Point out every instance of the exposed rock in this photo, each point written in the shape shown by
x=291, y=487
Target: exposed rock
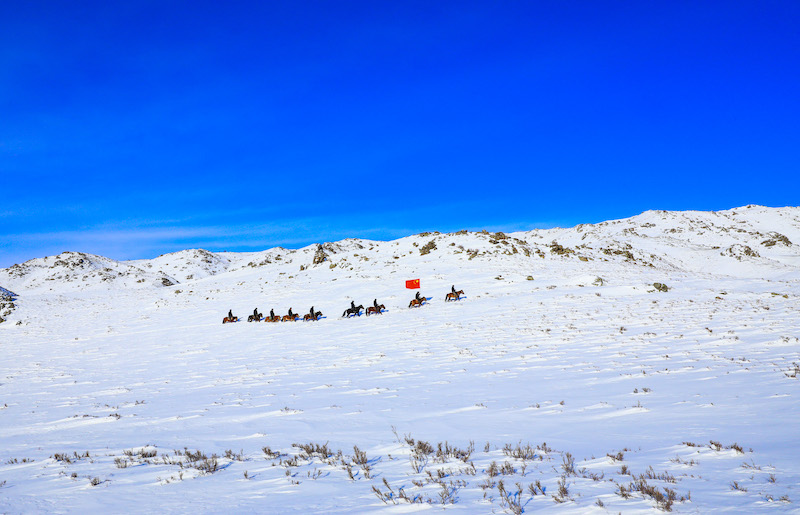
x=776, y=238
x=661, y=287
x=320, y=256
x=555, y=248
x=619, y=252
x=6, y=307
x=427, y=248
x=739, y=251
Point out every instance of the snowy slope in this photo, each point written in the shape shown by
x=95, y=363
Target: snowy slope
x=564, y=381
x=186, y=264
x=79, y=271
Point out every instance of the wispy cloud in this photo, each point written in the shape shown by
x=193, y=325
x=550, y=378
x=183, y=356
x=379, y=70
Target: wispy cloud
x=147, y=242
x=147, y=239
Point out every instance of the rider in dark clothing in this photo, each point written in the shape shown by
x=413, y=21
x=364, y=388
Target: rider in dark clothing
x=230, y=314
x=352, y=305
x=453, y=288
x=272, y=314
x=375, y=304
x=418, y=297
x=255, y=314
x=312, y=312
x=290, y=312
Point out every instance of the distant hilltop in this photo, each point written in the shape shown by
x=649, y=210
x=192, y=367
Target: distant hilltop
x=747, y=241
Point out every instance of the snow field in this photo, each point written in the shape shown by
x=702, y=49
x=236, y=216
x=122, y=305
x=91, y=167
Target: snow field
x=549, y=394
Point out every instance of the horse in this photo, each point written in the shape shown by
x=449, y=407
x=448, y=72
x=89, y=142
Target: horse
x=252, y=318
x=353, y=311
x=416, y=303
x=454, y=296
x=289, y=318
x=373, y=309
x=228, y=320
x=269, y=319
x=316, y=316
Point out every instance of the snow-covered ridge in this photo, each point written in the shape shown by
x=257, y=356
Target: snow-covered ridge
x=78, y=270
x=185, y=265
x=742, y=242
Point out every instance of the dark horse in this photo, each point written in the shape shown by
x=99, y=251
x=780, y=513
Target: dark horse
x=252, y=318
x=353, y=311
x=373, y=309
x=316, y=316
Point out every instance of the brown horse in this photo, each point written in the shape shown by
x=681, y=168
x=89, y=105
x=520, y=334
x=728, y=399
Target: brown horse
x=454, y=296
x=415, y=303
x=289, y=318
x=276, y=319
x=314, y=318
x=228, y=320
x=373, y=309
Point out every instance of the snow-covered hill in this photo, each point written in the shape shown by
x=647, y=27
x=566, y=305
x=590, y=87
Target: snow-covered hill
x=564, y=381
x=80, y=271
x=752, y=241
x=186, y=265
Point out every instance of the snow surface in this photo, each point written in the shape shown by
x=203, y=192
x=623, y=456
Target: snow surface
x=563, y=382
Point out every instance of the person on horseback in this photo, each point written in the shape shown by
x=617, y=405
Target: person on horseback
x=453, y=288
x=230, y=314
x=375, y=304
x=255, y=314
x=272, y=314
x=290, y=313
x=352, y=305
x=312, y=313
x=418, y=297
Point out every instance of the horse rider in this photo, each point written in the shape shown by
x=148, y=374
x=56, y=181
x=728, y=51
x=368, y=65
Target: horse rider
x=255, y=314
x=375, y=304
x=230, y=314
x=418, y=297
x=272, y=314
x=312, y=313
x=352, y=305
x=453, y=288
x=291, y=314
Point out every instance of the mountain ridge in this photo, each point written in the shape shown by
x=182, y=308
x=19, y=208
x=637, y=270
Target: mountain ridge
x=746, y=240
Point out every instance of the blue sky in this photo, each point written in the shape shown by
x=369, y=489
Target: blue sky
x=132, y=129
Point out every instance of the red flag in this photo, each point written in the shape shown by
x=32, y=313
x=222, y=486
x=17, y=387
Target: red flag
x=413, y=284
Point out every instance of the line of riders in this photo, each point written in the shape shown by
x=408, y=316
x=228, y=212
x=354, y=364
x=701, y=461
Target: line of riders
x=352, y=311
